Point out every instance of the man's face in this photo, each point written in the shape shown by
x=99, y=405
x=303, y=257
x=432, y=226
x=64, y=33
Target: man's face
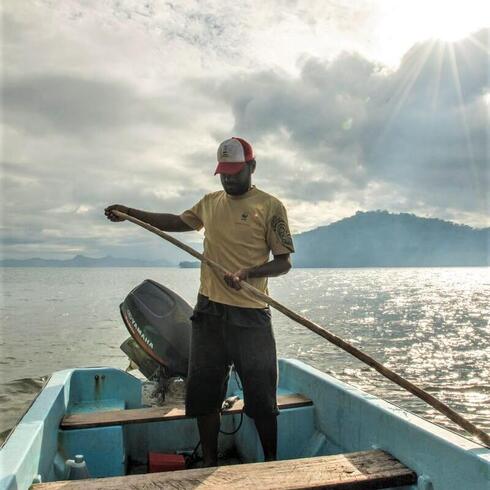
x=239, y=183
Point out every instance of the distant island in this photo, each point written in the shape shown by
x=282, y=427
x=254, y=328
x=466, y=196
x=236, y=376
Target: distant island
x=383, y=239
x=189, y=265
x=367, y=239
x=82, y=261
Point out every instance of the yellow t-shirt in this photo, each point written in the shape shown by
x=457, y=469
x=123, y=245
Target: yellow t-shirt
x=239, y=232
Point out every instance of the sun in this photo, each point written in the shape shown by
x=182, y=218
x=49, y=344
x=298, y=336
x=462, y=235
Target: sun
x=445, y=20
x=401, y=24
x=450, y=23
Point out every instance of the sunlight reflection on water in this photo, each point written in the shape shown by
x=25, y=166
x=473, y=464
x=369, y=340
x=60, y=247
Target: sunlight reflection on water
x=429, y=325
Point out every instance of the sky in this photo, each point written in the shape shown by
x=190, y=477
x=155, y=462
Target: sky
x=350, y=105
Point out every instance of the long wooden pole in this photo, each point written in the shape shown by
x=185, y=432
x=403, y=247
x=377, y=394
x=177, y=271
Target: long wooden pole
x=334, y=339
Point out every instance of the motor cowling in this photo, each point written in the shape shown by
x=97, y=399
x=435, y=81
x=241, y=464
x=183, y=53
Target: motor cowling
x=159, y=322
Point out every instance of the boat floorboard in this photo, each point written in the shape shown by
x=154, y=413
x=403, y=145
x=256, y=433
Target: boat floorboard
x=158, y=414
x=359, y=470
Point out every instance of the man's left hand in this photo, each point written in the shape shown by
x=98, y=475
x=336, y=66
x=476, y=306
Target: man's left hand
x=234, y=280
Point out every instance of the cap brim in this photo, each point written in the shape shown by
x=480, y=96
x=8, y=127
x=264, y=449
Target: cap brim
x=229, y=168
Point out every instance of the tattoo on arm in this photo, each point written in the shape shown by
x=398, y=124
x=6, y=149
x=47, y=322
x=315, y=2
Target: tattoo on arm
x=281, y=230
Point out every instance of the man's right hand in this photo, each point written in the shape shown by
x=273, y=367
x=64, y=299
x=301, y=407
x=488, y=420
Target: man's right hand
x=115, y=207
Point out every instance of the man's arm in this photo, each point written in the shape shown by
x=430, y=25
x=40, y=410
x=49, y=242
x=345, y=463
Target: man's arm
x=281, y=264
x=162, y=221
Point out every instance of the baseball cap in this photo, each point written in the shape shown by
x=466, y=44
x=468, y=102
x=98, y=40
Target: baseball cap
x=233, y=154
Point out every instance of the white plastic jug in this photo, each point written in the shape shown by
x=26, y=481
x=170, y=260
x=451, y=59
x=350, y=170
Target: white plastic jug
x=76, y=469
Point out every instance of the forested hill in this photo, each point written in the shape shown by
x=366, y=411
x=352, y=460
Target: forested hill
x=382, y=239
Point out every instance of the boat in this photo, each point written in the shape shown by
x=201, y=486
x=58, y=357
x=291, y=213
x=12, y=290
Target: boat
x=330, y=434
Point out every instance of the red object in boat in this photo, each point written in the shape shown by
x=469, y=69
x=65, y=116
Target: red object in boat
x=158, y=462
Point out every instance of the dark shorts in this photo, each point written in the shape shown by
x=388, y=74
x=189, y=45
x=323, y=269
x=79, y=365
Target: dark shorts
x=223, y=335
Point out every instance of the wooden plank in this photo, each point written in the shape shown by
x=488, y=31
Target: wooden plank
x=353, y=471
x=158, y=414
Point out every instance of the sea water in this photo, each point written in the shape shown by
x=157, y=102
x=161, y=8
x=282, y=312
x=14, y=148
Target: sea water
x=430, y=325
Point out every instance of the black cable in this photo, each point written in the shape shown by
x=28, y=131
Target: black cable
x=193, y=455
x=236, y=430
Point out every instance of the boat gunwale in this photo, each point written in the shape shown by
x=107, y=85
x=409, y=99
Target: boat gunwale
x=393, y=408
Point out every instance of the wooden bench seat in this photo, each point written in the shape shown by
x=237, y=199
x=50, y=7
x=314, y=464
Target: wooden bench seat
x=360, y=470
x=158, y=414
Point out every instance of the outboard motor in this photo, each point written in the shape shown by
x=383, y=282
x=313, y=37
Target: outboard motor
x=159, y=323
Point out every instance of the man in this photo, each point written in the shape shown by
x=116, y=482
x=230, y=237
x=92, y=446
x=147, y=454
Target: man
x=230, y=325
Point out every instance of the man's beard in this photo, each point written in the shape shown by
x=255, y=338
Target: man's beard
x=237, y=190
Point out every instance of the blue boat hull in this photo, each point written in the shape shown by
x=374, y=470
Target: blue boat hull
x=342, y=419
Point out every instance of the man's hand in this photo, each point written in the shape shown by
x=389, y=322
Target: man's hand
x=281, y=264
x=234, y=280
x=115, y=207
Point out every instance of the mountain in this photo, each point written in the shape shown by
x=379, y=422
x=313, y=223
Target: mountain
x=82, y=261
x=383, y=239
x=189, y=265
x=367, y=239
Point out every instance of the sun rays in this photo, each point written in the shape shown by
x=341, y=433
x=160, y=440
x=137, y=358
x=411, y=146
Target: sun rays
x=435, y=67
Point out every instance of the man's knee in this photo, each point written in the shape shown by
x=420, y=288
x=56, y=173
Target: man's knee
x=205, y=391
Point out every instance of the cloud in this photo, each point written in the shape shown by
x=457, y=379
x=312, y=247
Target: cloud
x=66, y=104
x=126, y=102
x=350, y=122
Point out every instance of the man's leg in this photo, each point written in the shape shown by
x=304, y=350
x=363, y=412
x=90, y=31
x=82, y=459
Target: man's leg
x=208, y=432
x=207, y=381
x=267, y=429
x=254, y=353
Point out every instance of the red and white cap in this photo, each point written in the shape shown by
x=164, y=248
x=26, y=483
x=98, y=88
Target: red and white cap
x=233, y=154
